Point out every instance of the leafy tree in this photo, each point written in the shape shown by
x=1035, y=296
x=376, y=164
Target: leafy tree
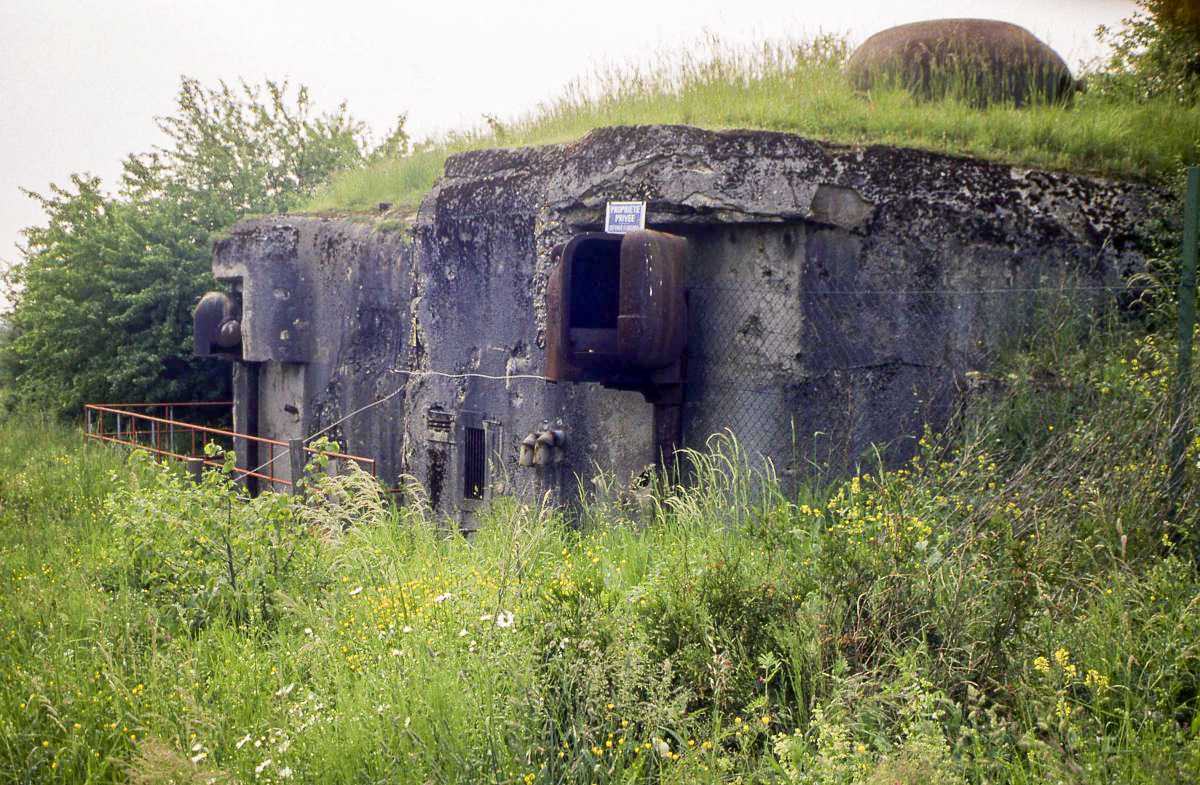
x=1155, y=54
x=104, y=309
x=236, y=151
x=103, y=298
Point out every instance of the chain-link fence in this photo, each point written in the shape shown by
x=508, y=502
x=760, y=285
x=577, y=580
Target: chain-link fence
x=813, y=379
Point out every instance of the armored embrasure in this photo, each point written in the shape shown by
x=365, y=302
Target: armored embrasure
x=216, y=327
x=617, y=309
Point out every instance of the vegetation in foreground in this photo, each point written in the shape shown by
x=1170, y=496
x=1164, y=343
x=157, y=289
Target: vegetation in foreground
x=1018, y=604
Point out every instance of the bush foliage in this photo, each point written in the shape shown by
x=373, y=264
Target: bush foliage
x=1154, y=54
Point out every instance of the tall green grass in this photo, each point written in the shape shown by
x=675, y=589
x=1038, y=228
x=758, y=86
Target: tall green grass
x=798, y=87
x=1017, y=604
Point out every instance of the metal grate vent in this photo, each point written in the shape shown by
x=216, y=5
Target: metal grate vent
x=474, y=463
x=438, y=419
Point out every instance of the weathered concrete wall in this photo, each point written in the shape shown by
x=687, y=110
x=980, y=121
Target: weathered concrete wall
x=837, y=295
x=325, y=319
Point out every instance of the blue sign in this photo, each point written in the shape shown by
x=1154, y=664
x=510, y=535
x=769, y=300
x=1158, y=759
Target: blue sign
x=622, y=217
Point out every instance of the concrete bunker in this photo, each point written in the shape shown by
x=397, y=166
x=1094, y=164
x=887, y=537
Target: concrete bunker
x=810, y=299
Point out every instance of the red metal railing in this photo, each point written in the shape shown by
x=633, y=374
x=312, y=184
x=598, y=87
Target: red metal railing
x=131, y=425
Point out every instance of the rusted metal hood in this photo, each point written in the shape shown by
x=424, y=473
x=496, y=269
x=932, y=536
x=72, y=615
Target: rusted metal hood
x=616, y=307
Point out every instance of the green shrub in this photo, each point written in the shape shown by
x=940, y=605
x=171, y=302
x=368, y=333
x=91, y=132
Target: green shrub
x=1154, y=54
x=202, y=551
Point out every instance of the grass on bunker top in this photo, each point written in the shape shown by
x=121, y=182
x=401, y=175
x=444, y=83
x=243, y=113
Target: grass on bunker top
x=798, y=87
x=1011, y=607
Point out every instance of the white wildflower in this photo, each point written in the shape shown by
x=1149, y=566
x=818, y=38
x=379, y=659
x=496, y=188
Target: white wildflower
x=282, y=692
x=242, y=742
x=505, y=619
x=259, y=768
x=356, y=590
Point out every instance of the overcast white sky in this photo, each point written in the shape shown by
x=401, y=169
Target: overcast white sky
x=82, y=80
